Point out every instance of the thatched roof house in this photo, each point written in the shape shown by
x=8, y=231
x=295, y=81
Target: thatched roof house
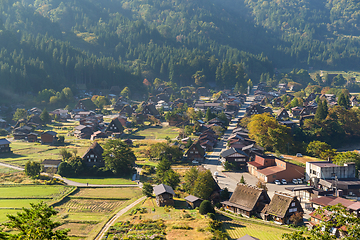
x=282, y=207
x=247, y=200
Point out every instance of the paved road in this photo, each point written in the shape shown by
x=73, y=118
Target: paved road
x=213, y=163
x=114, y=218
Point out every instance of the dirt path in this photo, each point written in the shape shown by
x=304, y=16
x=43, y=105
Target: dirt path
x=114, y=218
x=11, y=166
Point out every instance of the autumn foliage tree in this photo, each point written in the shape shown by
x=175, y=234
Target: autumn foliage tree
x=268, y=133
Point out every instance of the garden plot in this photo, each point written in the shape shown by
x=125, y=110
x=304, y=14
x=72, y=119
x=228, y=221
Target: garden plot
x=179, y=222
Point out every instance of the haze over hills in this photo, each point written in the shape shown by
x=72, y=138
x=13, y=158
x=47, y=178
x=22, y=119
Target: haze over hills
x=57, y=43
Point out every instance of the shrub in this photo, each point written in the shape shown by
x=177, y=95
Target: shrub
x=211, y=216
x=205, y=207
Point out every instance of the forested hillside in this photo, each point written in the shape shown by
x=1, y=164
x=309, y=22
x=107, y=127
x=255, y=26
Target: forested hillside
x=58, y=43
x=321, y=33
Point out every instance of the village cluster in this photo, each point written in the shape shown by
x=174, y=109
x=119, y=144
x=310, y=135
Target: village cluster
x=323, y=183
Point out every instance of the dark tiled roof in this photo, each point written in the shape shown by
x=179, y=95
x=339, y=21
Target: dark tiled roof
x=162, y=188
x=52, y=133
x=230, y=151
x=4, y=141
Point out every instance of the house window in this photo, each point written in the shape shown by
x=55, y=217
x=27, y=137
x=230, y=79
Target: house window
x=92, y=155
x=293, y=204
x=292, y=210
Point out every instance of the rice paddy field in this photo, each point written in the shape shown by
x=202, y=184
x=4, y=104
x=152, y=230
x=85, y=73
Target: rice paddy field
x=87, y=209
x=14, y=198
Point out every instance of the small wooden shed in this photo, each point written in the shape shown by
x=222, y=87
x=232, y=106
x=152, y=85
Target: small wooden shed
x=164, y=195
x=193, y=201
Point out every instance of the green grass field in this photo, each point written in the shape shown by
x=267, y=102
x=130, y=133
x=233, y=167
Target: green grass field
x=4, y=212
x=108, y=192
x=33, y=191
x=155, y=132
x=104, y=181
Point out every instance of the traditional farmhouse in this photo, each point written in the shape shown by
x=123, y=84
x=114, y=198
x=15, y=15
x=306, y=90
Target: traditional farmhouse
x=282, y=207
x=49, y=137
x=114, y=126
x=164, y=195
x=254, y=109
x=83, y=132
x=282, y=114
x=195, y=152
x=193, y=201
x=234, y=156
x=85, y=104
x=247, y=200
x=93, y=156
x=4, y=146
x=269, y=169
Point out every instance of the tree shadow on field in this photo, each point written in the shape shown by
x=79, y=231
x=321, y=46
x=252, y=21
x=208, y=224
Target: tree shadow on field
x=178, y=204
x=11, y=155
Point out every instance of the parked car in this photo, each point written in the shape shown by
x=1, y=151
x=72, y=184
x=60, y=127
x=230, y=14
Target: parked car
x=277, y=182
x=299, y=155
x=295, y=181
x=283, y=181
x=299, y=181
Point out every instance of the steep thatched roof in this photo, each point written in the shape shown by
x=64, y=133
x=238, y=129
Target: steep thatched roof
x=246, y=196
x=279, y=204
x=96, y=148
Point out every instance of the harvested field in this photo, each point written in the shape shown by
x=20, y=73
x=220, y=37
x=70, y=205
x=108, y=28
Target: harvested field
x=78, y=229
x=90, y=205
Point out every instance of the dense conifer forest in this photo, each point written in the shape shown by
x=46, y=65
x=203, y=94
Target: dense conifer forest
x=59, y=43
